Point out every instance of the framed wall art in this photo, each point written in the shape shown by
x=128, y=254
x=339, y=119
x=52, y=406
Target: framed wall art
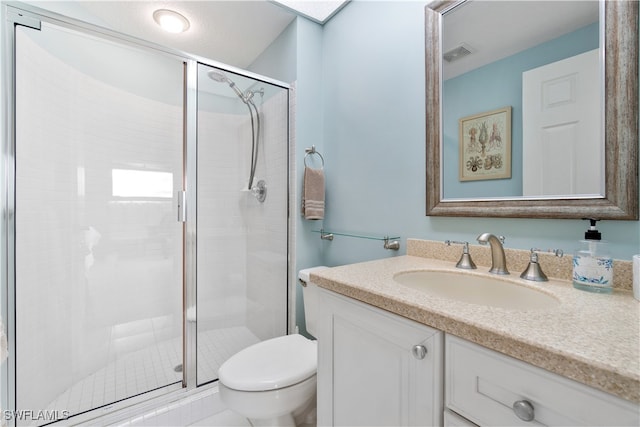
x=485, y=146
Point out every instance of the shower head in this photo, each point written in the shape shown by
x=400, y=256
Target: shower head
x=219, y=77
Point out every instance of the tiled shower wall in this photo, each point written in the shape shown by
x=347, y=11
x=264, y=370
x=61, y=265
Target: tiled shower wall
x=98, y=275
x=267, y=243
x=242, y=243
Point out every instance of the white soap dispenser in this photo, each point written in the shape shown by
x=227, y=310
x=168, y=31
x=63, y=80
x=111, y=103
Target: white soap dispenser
x=592, y=264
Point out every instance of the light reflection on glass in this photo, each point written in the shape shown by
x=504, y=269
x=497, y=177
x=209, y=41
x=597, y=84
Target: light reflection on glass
x=81, y=181
x=139, y=183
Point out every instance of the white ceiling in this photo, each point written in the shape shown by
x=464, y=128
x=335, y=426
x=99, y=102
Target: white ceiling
x=497, y=29
x=233, y=32
x=316, y=10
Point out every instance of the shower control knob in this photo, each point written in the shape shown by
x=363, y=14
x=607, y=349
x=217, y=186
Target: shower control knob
x=419, y=351
x=260, y=190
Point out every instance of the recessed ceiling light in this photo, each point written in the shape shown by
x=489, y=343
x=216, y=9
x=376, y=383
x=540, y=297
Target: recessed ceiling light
x=171, y=21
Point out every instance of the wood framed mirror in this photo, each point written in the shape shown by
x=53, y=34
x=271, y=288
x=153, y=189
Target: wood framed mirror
x=620, y=199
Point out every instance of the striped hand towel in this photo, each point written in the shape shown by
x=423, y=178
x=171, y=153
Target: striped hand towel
x=313, y=194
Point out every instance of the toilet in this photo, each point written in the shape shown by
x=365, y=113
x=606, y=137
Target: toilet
x=273, y=382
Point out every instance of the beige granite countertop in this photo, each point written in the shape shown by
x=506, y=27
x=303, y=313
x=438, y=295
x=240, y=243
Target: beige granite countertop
x=591, y=338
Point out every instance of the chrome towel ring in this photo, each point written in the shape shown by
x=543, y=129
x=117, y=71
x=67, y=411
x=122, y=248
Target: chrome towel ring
x=311, y=151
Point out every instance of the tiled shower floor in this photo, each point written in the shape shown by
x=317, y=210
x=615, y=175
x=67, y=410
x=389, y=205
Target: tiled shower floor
x=150, y=368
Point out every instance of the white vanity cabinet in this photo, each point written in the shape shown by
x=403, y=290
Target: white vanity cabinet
x=483, y=386
x=376, y=368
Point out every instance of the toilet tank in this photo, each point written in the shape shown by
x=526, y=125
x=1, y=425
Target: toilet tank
x=310, y=298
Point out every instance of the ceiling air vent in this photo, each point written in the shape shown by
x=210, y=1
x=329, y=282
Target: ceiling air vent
x=458, y=52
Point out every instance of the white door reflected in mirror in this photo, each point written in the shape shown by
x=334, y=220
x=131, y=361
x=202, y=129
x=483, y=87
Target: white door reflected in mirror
x=562, y=128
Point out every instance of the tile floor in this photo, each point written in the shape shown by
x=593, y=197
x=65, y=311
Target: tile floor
x=151, y=368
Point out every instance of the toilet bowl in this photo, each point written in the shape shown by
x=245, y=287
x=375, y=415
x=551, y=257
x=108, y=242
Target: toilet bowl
x=273, y=382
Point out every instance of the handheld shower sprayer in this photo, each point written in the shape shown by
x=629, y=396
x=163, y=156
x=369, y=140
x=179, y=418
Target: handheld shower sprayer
x=247, y=98
x=221, y=78
x=218, y=76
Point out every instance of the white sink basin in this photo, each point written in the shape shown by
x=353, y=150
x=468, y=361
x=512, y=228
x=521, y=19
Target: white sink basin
x=476, y=289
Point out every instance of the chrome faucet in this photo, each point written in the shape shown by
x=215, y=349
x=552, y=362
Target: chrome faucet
x=498, y=259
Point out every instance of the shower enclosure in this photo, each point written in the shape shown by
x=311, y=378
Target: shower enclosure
x=242, y=209
x=145, y=218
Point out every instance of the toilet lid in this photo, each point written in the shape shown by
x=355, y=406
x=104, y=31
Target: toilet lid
x=271, y=364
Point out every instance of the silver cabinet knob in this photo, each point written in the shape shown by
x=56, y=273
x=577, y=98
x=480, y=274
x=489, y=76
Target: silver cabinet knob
x=419, y=351
x=523, y=410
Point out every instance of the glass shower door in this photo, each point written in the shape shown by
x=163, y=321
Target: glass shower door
x=243, y=138
x=99, y=250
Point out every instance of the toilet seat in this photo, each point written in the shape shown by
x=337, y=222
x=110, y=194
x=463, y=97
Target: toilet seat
x=271, y=364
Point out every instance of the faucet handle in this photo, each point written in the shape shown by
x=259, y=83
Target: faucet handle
x=465, y=261
x=557, y=252
x=533, y=271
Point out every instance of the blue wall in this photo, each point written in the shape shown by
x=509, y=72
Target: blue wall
x=494, y=86
x=374, y=144
x=374, y=126
x=279, y=60
x=360, y=83
x=296, y=57
x=309, y=131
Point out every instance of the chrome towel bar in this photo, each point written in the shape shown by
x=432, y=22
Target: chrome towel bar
x=390, y=243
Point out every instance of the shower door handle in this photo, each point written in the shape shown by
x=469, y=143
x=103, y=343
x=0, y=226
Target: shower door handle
x=182, y=206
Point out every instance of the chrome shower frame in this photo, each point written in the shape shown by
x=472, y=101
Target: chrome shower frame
x=15, y=13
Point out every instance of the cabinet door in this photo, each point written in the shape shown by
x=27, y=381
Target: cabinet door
x=368, y=371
